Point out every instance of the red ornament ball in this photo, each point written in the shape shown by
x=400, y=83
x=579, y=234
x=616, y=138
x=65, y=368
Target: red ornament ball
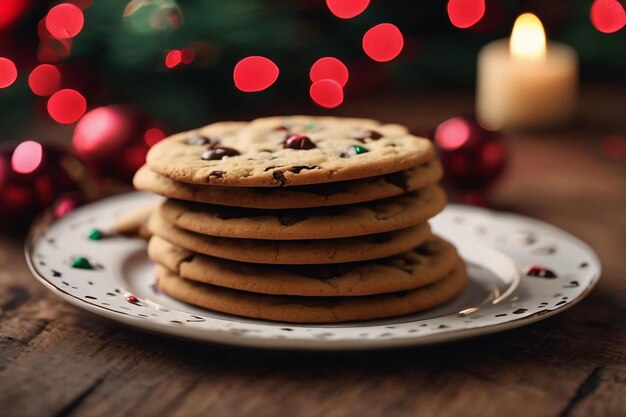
x=113, y=141
x=473, y=157
x=255, y=73
x=383, y=42
x=32, y=177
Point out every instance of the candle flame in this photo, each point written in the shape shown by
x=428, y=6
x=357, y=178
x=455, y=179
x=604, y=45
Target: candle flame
x=528, y=39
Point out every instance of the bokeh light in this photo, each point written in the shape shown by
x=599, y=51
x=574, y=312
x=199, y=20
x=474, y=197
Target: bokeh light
x=44, y=80
x=27, y=157
x=12, y=10
x=608, y=16
x=452, y=134
x=173, y=58
x=255, y=73
x=153, y=135
x=66, y=106
x=327, y=93
x=65, y=21
x=383, y=42
x=465, y=13
x=8, y=72
x=187, y=55
x=329, y=68
x=347, y=9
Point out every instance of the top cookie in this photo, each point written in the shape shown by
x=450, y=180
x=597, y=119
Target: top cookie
x=284, y=151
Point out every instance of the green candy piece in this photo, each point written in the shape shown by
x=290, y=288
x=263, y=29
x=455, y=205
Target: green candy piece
x=359, y=149
x=81, y=263
x=311, y=126
x=95, y=234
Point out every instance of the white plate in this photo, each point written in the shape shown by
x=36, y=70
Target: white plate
x=498, y=248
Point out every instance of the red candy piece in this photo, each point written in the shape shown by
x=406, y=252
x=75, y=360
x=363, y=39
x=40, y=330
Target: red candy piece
x=383, y=42
x=329, y=68
x=132, y=299
x=539, y=271
x=298, y=142
x=255, y=73
x=347, y=9
x=327, y=93
x=465, y=13
x=608, y=16
x=8, y=72
x=65, y=21
x=67, y=106
x=44, y=80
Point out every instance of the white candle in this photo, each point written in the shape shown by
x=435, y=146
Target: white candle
x=526, y=82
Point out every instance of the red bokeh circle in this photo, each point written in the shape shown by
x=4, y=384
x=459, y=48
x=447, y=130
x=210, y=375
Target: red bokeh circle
x=66, y=106
x=329, y=68
x=608, y=16
x=347, y=9
x=327, y=93
x=173, y=58
x=65, y=21
x=383, y=42
x=44, y=80
x=8, y=72
x=255, y=73
x=465, y=13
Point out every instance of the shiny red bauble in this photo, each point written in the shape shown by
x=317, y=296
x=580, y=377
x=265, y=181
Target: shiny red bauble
x=113, y=141
x=472, y=156
x=32, y=177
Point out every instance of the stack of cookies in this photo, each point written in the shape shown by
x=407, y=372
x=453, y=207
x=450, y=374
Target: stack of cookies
x=300, y=219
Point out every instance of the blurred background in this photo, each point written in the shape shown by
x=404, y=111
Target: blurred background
x=138, y=70
x=117, y=59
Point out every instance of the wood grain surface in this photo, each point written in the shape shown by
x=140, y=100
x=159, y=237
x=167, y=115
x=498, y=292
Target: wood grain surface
x=57, y=360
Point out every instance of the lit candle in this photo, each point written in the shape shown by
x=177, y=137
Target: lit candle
x=526, y=82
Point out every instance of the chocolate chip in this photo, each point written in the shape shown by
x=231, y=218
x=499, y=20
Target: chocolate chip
x=298, y=168
x=216, y=154
x=363, y=134
x=399, y=179
x=217, y=174
x=279, y=177
x=201, y=140
x=298, y=142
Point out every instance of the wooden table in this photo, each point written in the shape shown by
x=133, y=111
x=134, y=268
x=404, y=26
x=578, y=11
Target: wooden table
x=57, y=360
